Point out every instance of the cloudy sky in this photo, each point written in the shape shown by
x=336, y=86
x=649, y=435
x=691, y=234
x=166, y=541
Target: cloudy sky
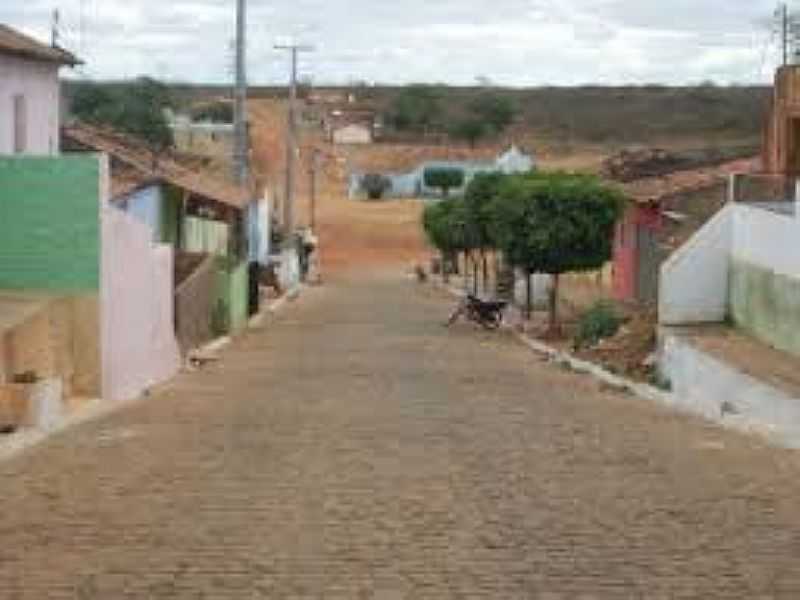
x=512, y=42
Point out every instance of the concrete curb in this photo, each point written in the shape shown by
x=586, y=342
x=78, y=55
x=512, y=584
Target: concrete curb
x=642, y=390
x=275, y=307
x=670, y=400
x=26, y=439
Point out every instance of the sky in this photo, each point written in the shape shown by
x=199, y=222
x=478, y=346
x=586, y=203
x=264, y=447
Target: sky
x=509, y=42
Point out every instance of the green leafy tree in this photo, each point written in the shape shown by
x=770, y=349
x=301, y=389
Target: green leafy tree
x=443, y=178
x=136, y=107
x=471, y=130
x=555, y=223
x=496, y=111
x=416, y=108
x=216, y=112
x=445, y=226
x=376, y=185
x=479, y=198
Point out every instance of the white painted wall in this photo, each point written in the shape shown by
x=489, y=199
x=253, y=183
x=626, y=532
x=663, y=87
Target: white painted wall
x=694, y=281
x=540, y=290
x=352, y=134
x=767, y=239
x=38, y=83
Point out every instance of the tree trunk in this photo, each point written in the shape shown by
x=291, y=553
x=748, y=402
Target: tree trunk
x=485, y=266
x=474, y=276
x=465, y=271
x=554, y=327
x=528, y=295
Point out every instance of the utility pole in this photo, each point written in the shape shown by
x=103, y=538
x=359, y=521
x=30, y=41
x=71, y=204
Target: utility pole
x=315, y=154
x=55, y=27
x=784, y=17
x=240, y=158
x=291, y=141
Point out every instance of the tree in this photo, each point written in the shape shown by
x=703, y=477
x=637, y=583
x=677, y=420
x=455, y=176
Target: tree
x=494, y=110
x=479, y=198
x=444, y=178
x=416, y=108
x=136, y=107
x=470, y=130
x=444, y=226
x=376, y=185
x=215, y=112
x=555, y=223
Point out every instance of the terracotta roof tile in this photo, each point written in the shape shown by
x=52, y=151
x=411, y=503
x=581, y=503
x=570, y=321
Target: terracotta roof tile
x=138, y=155
x=14, y=42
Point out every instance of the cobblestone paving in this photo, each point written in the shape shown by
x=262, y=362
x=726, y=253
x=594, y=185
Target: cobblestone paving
x=356, y=449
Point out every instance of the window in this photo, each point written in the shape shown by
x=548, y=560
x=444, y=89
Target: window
x=20, y=125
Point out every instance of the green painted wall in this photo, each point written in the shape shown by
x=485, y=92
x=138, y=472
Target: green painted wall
x=50, y=223
x=170, y=216
x=766, y=305
x=231, y=297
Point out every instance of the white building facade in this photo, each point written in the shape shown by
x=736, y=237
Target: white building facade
x=30, y=96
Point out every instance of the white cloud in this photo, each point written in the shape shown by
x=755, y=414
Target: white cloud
x=514, y=42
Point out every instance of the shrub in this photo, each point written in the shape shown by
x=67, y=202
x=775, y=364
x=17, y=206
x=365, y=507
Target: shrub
x=601, y=321
x=376, y=185
x=444, y=178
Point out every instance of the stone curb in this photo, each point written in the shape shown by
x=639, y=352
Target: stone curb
x=642, y=390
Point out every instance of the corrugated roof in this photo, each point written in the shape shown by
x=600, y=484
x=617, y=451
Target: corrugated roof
x=19, y=44
x=164, y=167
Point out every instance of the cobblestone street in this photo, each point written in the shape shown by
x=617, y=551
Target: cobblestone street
x=355, y=448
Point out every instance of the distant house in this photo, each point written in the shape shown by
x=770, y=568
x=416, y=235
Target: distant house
x=412, y=184
x=30, y=96
x=202, y=138
x=353, y=133
x=515, y=160
x=350, y=124
x=661, y=213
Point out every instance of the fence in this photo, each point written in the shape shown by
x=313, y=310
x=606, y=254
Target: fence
x=776, y=193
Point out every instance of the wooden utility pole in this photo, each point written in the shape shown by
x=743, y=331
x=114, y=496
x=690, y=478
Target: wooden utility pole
x=291, y=141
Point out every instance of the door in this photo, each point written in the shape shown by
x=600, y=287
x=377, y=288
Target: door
x=651, y=255
x=20, y=125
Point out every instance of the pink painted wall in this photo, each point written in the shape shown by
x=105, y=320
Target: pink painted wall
x=138, y=348
x=38, y=83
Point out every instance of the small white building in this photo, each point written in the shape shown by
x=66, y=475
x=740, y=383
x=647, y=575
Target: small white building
x=515, y=160
x=30, y=94
x=352, y=133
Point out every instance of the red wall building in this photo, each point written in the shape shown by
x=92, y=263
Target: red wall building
x=637, y=257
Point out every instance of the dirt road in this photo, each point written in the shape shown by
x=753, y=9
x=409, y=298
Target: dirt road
x=355, y=448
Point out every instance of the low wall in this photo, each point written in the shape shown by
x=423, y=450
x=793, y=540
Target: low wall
x=231, y=298
x=764, y=286
x=766, y=304
x=694, y=280
x=60, y=341
x=194, y=305
x=139, y=348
